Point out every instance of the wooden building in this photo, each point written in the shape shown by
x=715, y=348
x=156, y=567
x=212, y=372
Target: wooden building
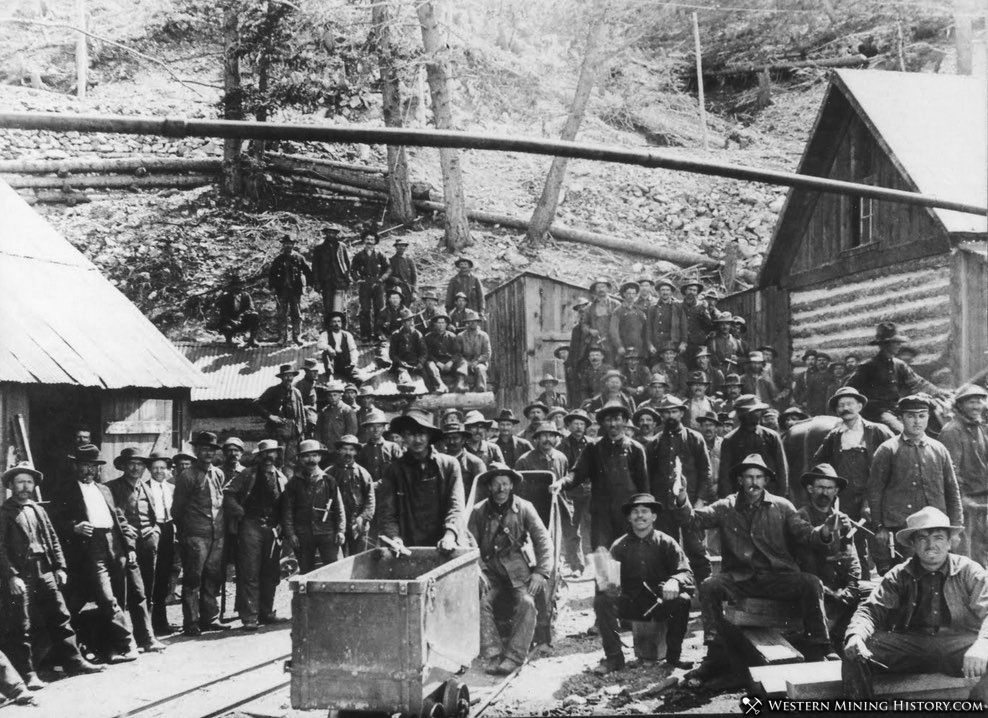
x=529, y=316
x=838, y=265
x=75, y=352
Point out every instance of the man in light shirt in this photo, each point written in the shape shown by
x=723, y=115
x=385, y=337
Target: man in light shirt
x=166, y=567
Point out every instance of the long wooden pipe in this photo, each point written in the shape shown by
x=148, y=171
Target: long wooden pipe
x=179, y=127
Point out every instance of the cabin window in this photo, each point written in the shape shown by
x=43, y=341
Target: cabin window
x=862, y=217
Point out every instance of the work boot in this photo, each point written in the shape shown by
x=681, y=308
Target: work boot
x=213, y=627
x=34, y=683
x=153, y=646
x=855, y=676
x=82, y=666
x=272, y=619
x=506, y=667
x=461, y=384
x=127, y=657
x=250, y=625
x=25, y=698
x=491, y=663
x=609, y=665
x=192, y=631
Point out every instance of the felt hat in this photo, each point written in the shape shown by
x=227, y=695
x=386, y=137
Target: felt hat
x=685, y=285
x=234, y=441
x=395, y=290
x=463, y=260
x=697, y=377
x=712, y=294
x=756, y=356
x=835, y=365
x=506, y=415
x=639, y=413
x=341, y=315
x=724, y=418
x=24, y=467
x=535, y=405
x=369, y=233
x=659, y=379
x=206, y=438
x=460, y=294
x=126, y=454
x=348, y=440
x=710, y=416
x=612, y=407
x=632, y=353
x=749, y=402
x=416, y=420
x=925, y=519
x=641, y=500
x=740, y=321
x=823, y=355
x=631, y=285
x=669, y=348
x=439, y=315
x=547, y=427
x=158, y=456
x=548, y=379
x=473, y=418
x=724, y=318
x=732, y=380
x=310, y=364
x=266, y=445
x=645, y=280
x=611, y=374
x=887, y=332
x=670, y=402
x=846, y=391
x=577, y=414
x=665, y=283
x=795, y=412
x=559, y=350
x=556, y=411
x=376, y=416
x=312, y=446
x=601, y=280
x=969, y=391
x=752, y=461
x=405, y=314
x=702, y=353
x=180, y=455
x=455, y=427
x=914, y=402
x=579, y=304
x=366, y=390
x=809, y=354
x=430, y=294
x=768, y=348
x=470, y=316
x=823, y=471
x=287, y=369
x=498, y=469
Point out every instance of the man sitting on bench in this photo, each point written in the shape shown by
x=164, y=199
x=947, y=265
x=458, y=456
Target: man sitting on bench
x=756, y=530
x=929, y=614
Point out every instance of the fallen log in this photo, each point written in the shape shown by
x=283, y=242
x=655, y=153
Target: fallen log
x=472, y=400
x=70, y=198
x=751, y=69
x=122, y=164
x=333, y=164
x=420, y=190
x=335, y=187
x=112, y=181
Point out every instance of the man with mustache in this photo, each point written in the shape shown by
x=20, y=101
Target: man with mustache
x=850, y=447
x=966, y=439
x=750, y=437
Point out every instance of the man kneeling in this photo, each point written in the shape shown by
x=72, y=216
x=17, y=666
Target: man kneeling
x=656, y=582
x=501, y=525
x=929, y=614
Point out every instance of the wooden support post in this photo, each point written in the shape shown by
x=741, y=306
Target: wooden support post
x=964, y=35
x=699, y=82
x=81, y=51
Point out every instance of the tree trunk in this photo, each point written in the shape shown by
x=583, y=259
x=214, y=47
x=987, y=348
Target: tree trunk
x=399, y=208
x=545, y=210
x=437, y=71
x=964, y=35
x=233, y=102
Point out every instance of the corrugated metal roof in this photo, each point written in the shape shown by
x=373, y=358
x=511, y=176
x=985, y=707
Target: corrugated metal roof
x=934, y=125
x=62, y=322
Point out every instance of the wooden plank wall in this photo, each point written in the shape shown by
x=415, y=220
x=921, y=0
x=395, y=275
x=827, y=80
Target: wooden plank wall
x=550, y=322
x=134, y=419
x=767, y=313
x=506, y=325
x=969, y=309
x=13, y=401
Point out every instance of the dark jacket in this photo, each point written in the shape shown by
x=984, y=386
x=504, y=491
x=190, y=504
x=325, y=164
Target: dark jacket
x=377, y=456
x=237, y=494
x=192, y=504
x=441, y=348
x=653, y=561
x=666, y=323
x=469, y=285
x=967, y=443
x=407, y=349
x=303, y=509
x=126, y=497
x=503, y=541
x=289, y=274
x=68, y=509
x=331, y=265
x=233, y=305
x=273, y=401
x=397, y=515
x=15, y=551
x=403, y=274
x=884, y=381
x=739, y=443
x=891, y=605
x=369, y=266
x=874, y=435
x=837, y=566
x=689, y=447
x=358, y=494
x=513, y=449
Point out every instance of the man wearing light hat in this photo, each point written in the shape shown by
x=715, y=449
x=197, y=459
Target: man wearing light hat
x=32, y=572
x=658, y=387
x=627, y=327
x=336, y=419
x=754, y=381
x=404, y=274
x=284, y=413
x=477, y=444
x=443, y=356
x=501, y=526
x=357, y=489
x=312, y=515
x=370, y=270
x=307, y=388
x=233, y=451
x=598, y=315
x=545, y=456
x=723, y=345
x=966, y=439
x=611, y=391
x=666, y=322
x=431, y=301
x=929, y=614
x=910, y=471
x=464, y=281
x=549, y=396
x=752, y=438
x=536, y=413
x=475, y=349
x=376, y=453
x=253, y=503
x=457, y=315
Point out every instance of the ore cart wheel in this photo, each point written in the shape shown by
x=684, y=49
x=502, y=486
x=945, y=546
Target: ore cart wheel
x=456, y=699
x=431, y=709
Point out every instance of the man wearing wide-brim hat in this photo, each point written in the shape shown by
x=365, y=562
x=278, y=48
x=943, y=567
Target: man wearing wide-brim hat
x=455, y=436
x=697, y=320
x=404, y=274
x=406, y=348
x=627, y=326
x=475, y=349
x=477, y=442
x=615, y=468
x=376, y=455
x=357, y=489
x=758, y=531
x=966, y=439
x=312, y=514
x=750, y=437
x=837, y=566
x=549, y=396
x=336, y=418
x=253, y=502
x=511, y=446
x=536, y=413
x=646, y=420
x=910, y=471
x=159, y=588
x=576, y=531
x=885, y=378
x=612, y=390
x=307, y=388
x=370, y=270
x=850, y=448
x=656, y=584
x=466, y=282
x=237, y=314
x=597, y=316
x=545, y=456
x=422, y=492
x=502, y=525
x=288, y=276
x=755, y=381
x=443, y=356
x=284, y=412
x=33, y=570
x=723, y=345
x=666, y=322
x=929, y=614
x=331, y=267
x=197, y=508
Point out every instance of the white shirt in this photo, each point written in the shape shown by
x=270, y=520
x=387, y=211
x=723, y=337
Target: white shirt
x=96, y=508
x=157, y=492
x=853, y=436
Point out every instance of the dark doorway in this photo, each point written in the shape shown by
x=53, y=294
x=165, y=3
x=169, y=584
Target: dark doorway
x=56, y=412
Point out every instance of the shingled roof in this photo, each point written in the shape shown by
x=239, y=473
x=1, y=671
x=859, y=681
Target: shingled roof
x=63, y=322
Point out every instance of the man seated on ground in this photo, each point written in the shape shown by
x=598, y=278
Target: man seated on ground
x=502, y=525
x=443, y=357
x=837, y=566
x=929, y=614
x=407, y=350
x=236, y=312
x=756, y=530
x=475, y=348
x=612, y=391
x=656, y=583
x=389, y=320
x=458, y=313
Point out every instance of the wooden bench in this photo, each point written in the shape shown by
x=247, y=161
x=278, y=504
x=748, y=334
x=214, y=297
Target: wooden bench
x=898, y=685
x=764, y=613
x=770, y=681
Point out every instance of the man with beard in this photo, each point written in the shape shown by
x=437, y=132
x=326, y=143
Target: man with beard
x=307, y=388
x=850, y=448
x=752, y=438
x=707, y=425
x=577, y=527
x=336, y=419
x=443, y=357
x=312, y=515
x=407, y=349
x=545, y=456
x=908, y=471
x=370, y=270
x=338, y=348
x=656, y=583
x=591, y=376
x=666, y=323
x=288, y=275
x=549, y=396
x=757, y=530
x=714, y=375
x=723, y=346
x=658, y=387
x=611, y=392
x=837, y=566
x=597, y=317
x=502, y=525
x=698, y=402
x=284, y=413
x=511, y=446
x=455, y=436
x=32, y=572
x=536, y=413
x=672, y=369
x=233, y=451
x=627, y=327
x=697, y=320
x=331, y=272
x=477, y=444
x=422, y=495
x=730, y=392
x=754, y=381
x=678, y=452
x=646, y=421
x=967, y=441
x=253, y=501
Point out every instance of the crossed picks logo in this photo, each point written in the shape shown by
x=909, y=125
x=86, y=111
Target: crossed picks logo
x=751, y=705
